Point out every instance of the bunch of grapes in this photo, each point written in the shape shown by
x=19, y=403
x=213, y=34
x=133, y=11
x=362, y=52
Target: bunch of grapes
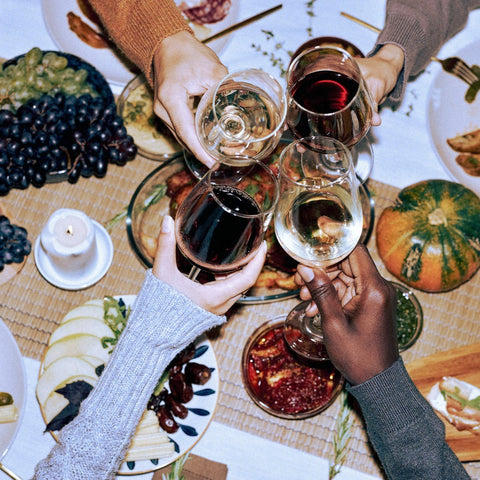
x=36, y=73
x=14, y=244
x=76, y=136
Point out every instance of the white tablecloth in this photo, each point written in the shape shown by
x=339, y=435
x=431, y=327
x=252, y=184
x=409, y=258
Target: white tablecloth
x=403, y=155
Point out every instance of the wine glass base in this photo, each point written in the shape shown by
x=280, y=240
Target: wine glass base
x=304, y=335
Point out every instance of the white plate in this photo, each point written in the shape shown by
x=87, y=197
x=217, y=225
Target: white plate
x=201, y=409
x=13, y=381
x=105, y=60
x=450, y=115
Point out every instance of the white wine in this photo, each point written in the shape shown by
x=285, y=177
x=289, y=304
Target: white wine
x=318, y=228
x=245, y=122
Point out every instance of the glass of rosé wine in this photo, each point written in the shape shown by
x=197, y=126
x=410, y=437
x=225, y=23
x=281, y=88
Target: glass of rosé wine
x=327, y=96
x=222, y=222
x=318, y=221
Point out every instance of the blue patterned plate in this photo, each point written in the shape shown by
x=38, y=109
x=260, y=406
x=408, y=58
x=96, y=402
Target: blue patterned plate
x=200, y=411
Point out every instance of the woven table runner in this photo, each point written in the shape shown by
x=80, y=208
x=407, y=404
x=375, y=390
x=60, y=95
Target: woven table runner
x=32, y=308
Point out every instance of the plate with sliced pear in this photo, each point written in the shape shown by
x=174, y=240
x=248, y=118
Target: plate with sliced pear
x=76, y=355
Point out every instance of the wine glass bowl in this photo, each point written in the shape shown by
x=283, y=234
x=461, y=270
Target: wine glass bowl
x=242, y=116
x=318, y=221
x=327, y=96
x=222, y=222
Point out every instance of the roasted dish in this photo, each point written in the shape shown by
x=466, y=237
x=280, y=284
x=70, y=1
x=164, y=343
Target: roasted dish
x=468, y=147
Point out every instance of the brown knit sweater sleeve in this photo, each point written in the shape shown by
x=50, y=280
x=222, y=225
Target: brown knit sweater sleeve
x=137, y=27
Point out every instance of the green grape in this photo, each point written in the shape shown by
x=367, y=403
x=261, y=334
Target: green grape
x=31, y=77
x=80, y=76
x=18, y=84
x=33, y=57
x=70, y=87
x=59, y=63
x=43, y=84
x=9, y=72
x=68, y=73
x=52, y=75
x=49, y=59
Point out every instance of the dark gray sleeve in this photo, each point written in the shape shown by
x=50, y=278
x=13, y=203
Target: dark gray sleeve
x=420, y=28
x=406, y=433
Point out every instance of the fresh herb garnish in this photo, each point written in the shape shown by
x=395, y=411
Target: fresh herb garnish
x=342, y=436
x=115, y=316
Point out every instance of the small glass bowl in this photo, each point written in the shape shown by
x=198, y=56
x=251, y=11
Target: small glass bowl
x=152, y=137
x=328, y=373
x=409, y=317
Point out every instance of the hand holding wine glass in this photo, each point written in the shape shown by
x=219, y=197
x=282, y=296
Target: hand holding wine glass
x=222, y=222
x=240, y=117
x=318, y=221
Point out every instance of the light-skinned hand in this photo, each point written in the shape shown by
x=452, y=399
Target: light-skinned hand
x=218, y=296
x=380, y=73
x=357, y=306
x=184, y=68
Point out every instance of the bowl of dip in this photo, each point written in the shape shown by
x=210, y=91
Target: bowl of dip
x=282, y=384
x=153, y=138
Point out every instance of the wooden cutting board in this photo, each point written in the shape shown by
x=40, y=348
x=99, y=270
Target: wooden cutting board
x=464, y=364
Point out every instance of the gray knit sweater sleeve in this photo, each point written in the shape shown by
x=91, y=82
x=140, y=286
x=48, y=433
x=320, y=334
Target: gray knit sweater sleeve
x=162, y=322
x=404, y=429
x=420, y=28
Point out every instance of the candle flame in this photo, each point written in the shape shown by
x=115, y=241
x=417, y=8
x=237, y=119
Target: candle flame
x=70, y=230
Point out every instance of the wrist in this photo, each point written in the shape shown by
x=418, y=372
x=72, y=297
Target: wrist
x=393, y=55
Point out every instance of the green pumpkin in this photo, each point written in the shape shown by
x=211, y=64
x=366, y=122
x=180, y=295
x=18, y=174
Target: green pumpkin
x=430, y=238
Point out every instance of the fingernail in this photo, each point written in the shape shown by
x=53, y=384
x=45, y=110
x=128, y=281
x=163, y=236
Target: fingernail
x=306, y=273
x=167, y=224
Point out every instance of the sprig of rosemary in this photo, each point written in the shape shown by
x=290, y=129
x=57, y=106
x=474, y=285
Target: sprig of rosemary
x=177, y=468
x=156, y=194
x=342, y=436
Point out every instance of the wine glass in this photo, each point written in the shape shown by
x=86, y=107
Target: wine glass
x=327, y=96
x=318, y=221
x=222, y=222
x=240, y=117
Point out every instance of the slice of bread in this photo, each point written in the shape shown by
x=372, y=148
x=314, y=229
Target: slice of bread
x=467, y=143
x=470, y=162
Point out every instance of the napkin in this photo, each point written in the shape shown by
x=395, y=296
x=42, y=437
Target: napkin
x=197, y=468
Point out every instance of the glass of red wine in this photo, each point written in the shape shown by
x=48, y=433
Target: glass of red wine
x=318, y=222
x=327, y=96
x=222, y=222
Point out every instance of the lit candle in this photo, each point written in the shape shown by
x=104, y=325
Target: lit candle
x=68, y=238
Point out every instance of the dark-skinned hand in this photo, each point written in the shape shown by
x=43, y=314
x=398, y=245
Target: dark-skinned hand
x=357, y=306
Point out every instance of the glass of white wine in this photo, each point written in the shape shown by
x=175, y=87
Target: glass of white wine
x=240, y=117
x=318, y=221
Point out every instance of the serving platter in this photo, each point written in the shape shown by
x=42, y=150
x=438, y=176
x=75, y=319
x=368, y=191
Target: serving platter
x=449, y=115
x=113, y=65
x=201, y=408
x=12, y=380
x=464, y=364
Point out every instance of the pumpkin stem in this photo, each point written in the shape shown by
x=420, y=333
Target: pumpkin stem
x=437, y=217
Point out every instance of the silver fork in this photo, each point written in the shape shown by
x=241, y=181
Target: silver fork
x=454, y=65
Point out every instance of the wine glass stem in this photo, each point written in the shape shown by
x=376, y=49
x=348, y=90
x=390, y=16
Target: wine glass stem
x=194, y=273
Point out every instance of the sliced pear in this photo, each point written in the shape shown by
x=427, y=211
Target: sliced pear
x=93, y=361
x=53, y=405
x=92, y=310
x=76, y=346
x=88, y=325
x=62, y=371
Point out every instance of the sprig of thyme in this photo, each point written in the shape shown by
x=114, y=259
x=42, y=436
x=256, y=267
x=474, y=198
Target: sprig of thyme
x=342, y=436
x=115, y=316
x=177, y=468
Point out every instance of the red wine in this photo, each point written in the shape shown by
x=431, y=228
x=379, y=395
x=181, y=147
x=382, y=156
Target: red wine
x=215, y=239
x=326, y=92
